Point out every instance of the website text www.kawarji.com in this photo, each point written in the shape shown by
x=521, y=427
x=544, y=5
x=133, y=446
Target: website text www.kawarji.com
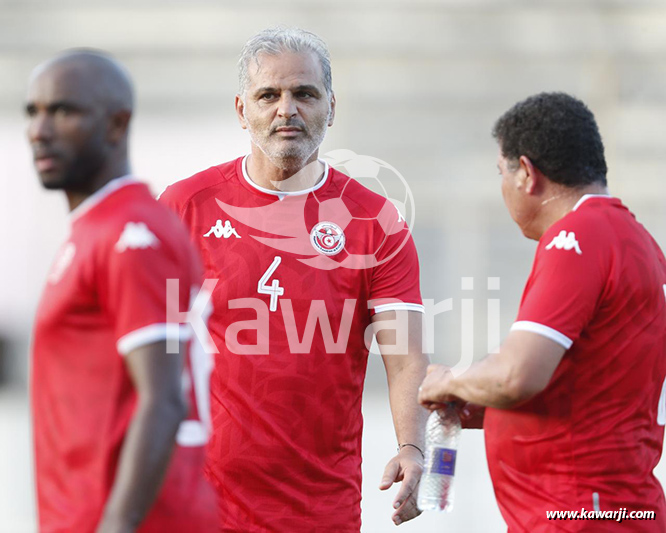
x=617, y=516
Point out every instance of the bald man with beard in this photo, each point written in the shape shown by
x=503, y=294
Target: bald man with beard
x=118, y=440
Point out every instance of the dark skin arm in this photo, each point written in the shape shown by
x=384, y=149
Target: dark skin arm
x=150, y=438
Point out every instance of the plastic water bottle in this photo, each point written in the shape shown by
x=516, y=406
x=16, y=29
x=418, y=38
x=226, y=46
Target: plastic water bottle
x=442, y=435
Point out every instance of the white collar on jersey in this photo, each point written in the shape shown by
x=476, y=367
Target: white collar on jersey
x=587, y=197
x=99, y=195
x=282, y=194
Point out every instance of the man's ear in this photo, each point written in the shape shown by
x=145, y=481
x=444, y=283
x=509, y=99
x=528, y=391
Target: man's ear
x=119, y=126
x=530, y=175
x=331, y=113
x=240, y=111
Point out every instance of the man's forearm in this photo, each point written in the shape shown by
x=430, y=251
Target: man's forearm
x=406, y=367
x=143, y=462
x=488, y=383
x=408, y=416
x=521, y=369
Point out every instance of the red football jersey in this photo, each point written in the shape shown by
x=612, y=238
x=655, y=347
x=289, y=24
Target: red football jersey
x=104, y=297
x=593, y=437
x=300, y=275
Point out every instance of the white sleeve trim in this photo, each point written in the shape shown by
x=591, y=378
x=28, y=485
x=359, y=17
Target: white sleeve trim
x=152, y=333
x=399, y=307
x=550, y=333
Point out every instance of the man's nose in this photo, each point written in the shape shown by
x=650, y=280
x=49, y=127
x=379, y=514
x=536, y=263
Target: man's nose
x=287, y=106
x=40, y=128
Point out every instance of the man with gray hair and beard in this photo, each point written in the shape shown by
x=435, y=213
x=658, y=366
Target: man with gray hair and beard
x=305, y=261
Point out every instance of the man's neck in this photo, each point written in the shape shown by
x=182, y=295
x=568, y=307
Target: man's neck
x=291, y=177
x=559, y=201
x=77, y=197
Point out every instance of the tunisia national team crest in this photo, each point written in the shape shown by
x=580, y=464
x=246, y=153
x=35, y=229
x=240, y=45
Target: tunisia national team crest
x=327, y=238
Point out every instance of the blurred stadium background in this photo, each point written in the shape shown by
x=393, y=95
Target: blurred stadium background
x=419, y=84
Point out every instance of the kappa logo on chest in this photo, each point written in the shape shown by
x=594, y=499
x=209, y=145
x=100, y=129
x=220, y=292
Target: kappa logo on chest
x=222, y=230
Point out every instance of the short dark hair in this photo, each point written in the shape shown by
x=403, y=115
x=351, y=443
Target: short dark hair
x=559, y=134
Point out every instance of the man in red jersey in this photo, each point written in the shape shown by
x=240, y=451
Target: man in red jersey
x=575, y=397
x=307, y=260
x=107, y=395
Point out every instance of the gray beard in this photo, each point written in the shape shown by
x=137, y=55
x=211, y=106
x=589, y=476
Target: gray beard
x=294, y=157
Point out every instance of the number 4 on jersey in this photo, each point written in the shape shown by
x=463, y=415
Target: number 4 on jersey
x=274, y=289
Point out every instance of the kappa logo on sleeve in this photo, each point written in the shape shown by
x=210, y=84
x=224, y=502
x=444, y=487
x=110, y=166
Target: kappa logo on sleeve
x=565, y=241
x=136, y=236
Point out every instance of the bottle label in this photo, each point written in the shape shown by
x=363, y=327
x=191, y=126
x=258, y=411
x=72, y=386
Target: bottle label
x=443, y=461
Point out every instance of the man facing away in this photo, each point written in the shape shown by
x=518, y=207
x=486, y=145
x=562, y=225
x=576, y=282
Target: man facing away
x=107, y=395
x=314, y=259
x=575, y=396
